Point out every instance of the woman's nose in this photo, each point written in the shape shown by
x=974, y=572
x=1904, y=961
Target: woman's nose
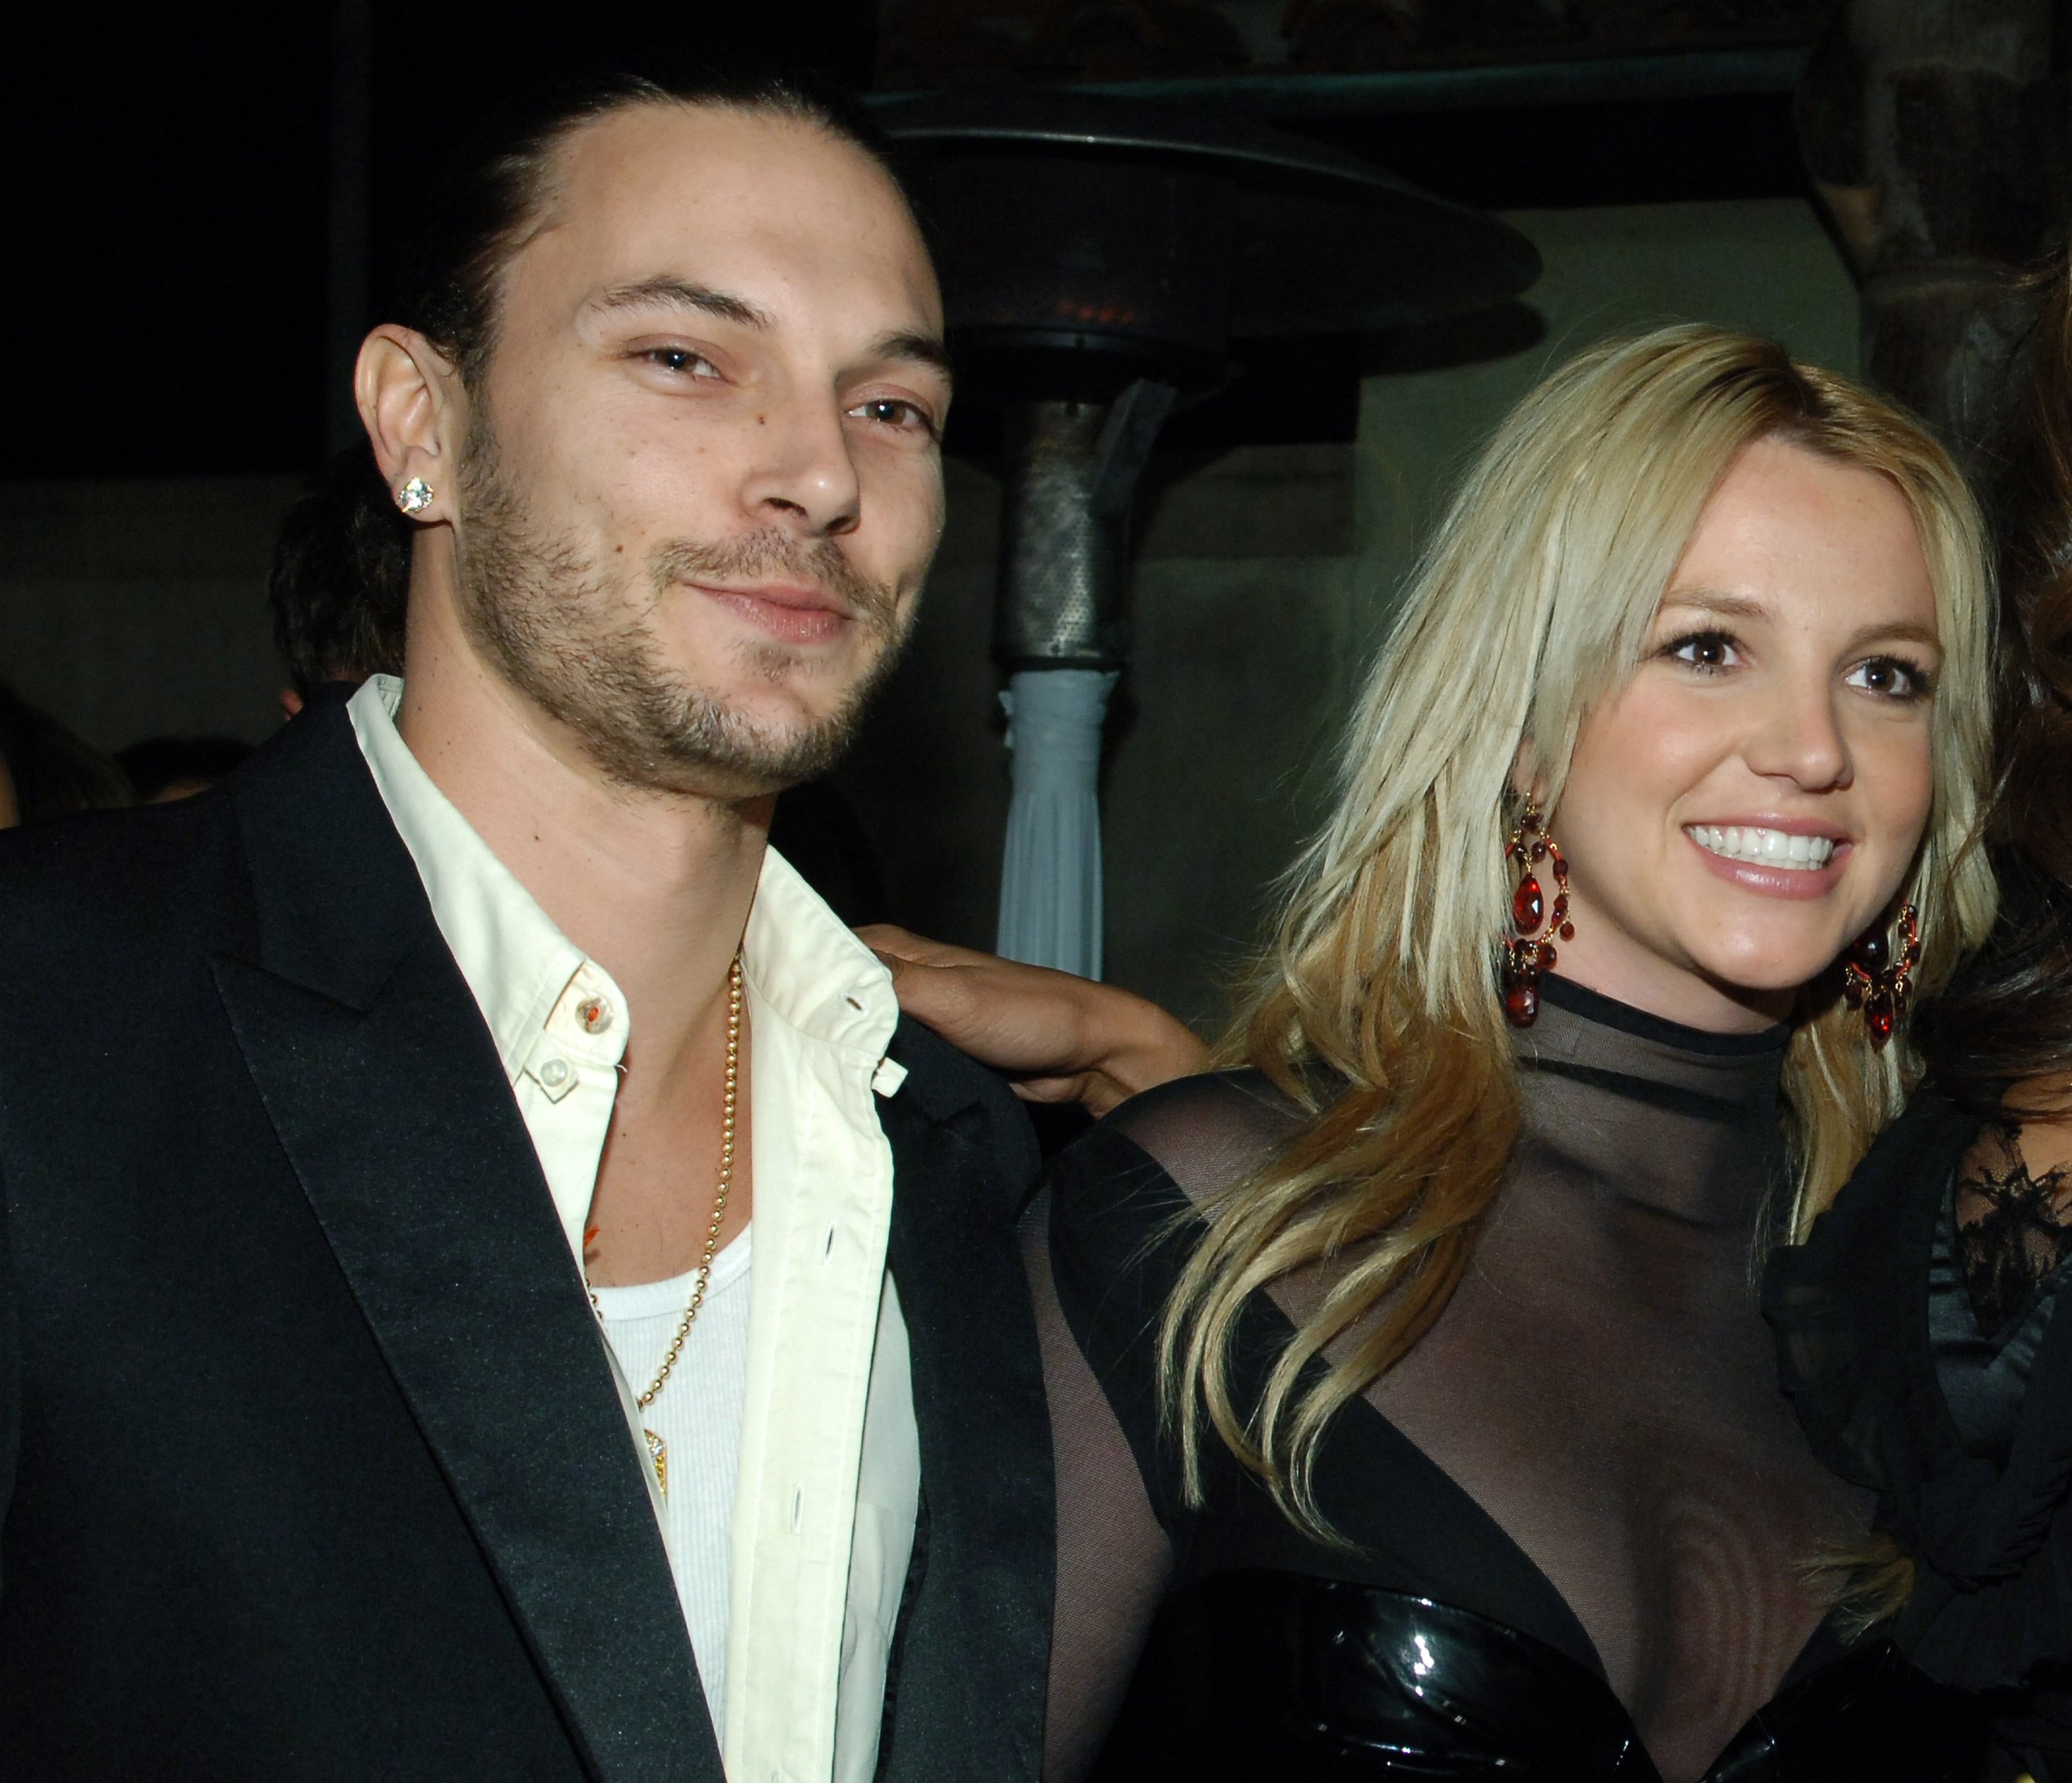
x=1799, y=737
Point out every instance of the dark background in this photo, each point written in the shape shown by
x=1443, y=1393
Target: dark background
x=167, y=203
x=167, y=200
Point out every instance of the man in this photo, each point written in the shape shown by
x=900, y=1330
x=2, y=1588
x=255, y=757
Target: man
x=387, y=1384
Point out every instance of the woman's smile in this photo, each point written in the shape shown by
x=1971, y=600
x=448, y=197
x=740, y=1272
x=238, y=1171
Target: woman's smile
x=1770, y=862
x=1794, y=850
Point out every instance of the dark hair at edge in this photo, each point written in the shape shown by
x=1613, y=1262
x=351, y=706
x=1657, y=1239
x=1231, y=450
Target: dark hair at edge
x=340, y=585
x=2007, y=1017
x=341, y=577
x=54, y=771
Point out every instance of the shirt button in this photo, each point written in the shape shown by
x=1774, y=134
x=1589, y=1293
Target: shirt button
x=594, y=1014
x=554, y=1073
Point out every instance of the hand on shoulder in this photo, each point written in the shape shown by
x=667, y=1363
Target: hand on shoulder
x=1054, y=1037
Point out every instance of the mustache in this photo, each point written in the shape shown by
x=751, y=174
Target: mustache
x=775, y=556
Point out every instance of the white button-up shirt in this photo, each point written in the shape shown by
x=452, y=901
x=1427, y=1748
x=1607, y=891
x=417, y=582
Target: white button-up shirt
x=828, y=1481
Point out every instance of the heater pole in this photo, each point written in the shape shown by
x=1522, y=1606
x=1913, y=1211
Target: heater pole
x=1061, y=629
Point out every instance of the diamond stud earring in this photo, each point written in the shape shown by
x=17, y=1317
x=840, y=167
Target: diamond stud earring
x=415, y=496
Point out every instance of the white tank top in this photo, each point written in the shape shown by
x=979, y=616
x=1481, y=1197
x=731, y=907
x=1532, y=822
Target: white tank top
x=698, y=1416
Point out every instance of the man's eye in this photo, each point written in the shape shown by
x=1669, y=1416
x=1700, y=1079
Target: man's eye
x=895, y=412
x=682, y=361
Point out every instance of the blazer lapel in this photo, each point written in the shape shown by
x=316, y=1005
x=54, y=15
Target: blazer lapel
x=974, y=1640
x=385, y=1088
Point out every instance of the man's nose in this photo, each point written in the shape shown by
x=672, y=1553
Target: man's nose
x=1798, y=737
x=803, y=476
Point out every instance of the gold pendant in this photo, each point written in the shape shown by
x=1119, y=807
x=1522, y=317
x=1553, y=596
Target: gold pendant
x=658, y=1452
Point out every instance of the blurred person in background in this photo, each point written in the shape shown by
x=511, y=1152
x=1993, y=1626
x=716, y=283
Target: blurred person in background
x=163, y=769
x=1924, y=1337
x=49, y=771
x=339, y=585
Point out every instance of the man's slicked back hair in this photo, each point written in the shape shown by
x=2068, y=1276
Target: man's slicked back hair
x=493, y=196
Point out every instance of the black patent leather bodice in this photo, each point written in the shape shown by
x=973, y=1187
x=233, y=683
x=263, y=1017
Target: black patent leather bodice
x=1321, y=1680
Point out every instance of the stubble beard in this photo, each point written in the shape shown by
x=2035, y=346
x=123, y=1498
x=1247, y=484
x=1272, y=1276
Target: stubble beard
x=578, y=641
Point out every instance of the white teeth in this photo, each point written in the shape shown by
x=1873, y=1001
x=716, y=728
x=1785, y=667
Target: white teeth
x=1772, y=848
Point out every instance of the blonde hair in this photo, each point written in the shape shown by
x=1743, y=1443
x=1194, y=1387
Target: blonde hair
x=1533, y=602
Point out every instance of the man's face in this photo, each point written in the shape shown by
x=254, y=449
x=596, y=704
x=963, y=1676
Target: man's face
x=703, y=480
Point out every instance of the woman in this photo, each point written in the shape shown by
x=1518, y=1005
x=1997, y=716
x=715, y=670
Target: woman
x=1919, y=1339
x=1416, y=1366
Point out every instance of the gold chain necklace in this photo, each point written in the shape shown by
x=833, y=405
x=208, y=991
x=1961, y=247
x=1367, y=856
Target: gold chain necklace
x=658, y=1451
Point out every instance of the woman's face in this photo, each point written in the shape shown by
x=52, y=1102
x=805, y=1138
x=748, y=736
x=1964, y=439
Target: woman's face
x=1751, y=800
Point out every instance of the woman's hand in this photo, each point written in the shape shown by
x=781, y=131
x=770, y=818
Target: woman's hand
x=1054, y=1037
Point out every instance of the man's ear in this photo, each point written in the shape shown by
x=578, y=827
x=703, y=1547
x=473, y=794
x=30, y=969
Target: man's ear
x=415, y=412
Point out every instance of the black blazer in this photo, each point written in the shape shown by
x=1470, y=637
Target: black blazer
x=311, y=1461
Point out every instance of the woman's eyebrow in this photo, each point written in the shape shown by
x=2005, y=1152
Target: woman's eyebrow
x=1721, y=605
x=1897, y=631
x=1714, y=600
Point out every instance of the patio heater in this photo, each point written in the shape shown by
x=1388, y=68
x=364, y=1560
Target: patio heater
x=1099, y=257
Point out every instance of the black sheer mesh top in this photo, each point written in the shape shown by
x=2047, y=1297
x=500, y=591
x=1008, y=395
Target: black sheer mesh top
x=1585, y=1462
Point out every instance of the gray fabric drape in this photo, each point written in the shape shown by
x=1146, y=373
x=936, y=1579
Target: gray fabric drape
x=1050, y=876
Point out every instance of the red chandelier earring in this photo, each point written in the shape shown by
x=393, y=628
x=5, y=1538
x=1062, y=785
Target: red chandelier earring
x=1877, y=973
x=1531, y=950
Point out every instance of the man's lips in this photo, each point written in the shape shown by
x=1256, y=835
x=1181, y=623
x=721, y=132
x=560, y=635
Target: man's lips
x=796, y=612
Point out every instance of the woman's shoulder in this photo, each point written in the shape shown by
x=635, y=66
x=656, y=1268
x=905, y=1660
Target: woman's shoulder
x=1165, y=1152
x=1123, y=1198
x=1208, y=1133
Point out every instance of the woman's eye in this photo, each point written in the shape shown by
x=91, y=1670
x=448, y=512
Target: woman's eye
x=895, y=412
x=1709, y=651
x=682, y=361
x=1892, y=677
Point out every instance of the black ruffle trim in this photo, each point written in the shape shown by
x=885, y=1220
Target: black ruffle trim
x=1849, y=1308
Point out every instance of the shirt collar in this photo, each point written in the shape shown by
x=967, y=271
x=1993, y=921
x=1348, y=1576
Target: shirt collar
x=514, y=960
x=807, y=967
x=802, y=965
